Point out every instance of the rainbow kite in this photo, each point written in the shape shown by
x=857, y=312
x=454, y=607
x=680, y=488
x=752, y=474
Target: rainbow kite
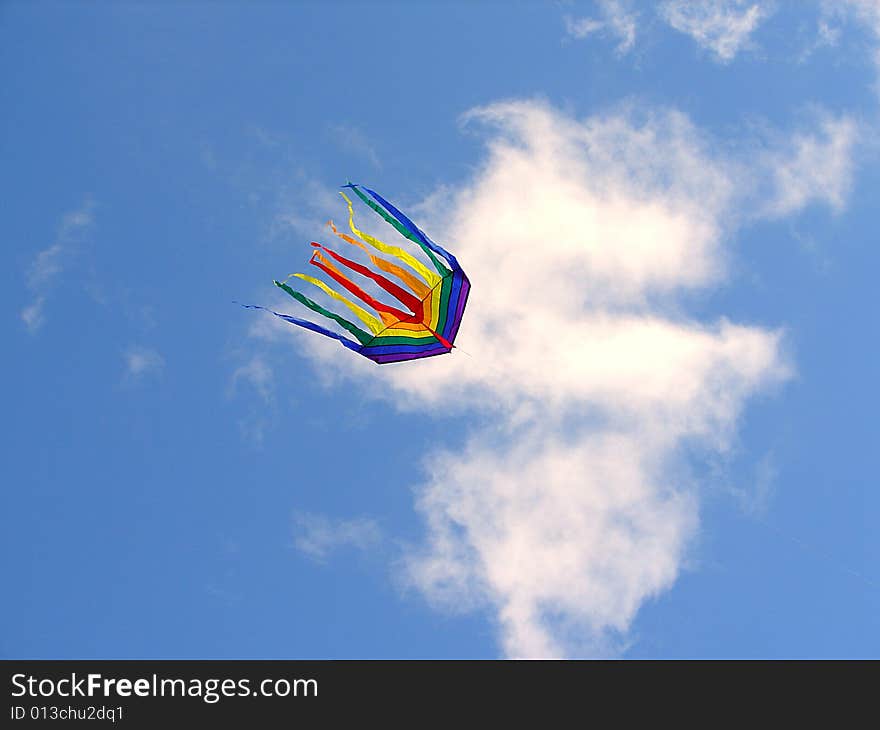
x=433, y=300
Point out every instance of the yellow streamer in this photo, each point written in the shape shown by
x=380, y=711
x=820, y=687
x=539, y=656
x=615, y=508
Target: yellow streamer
x=428, y=275
x=368, y=319
x=417, y=286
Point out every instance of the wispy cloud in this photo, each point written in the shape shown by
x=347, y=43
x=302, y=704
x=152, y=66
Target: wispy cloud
x=580, y=28
x=141, y=362
x=617, y=19
x=755, y=497
x=305, y=212
x=353, y=140
x=32, y=314
x=723, y=27
x=813, y=165
x=51, y=261
x=827, y=36
x=259, y=377
x=258, y=374
x=864, y=12
x=318, y=536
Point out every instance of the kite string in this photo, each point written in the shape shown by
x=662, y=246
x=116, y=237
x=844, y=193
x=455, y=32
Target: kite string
x=827, y=558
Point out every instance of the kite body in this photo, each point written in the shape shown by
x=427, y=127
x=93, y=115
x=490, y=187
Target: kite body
x=431, y=297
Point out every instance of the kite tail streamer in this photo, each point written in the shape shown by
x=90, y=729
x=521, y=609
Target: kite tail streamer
x=401, y=295
x=414, y=283
x=309, y=326
x=400, y=228
x=362, y=314
x=416, y=231
x=361, y=336
x=340, y=278
x=395, y=251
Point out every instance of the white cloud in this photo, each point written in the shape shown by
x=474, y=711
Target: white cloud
x=142, y=361
x=50, y=262
x=258, y=374
x=355, y=141
x=827, y=36
x=318, y=536
x=720, y=26
x=566, y=537
x=579, y=239
x=755, y=497
x=32, y=314
x=813, y=166
x=864, y=12
x=617, y=20
x=303, y=211
x=580, y=28
x=576, y=501
x=47, y=264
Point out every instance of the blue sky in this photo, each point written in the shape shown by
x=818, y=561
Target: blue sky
x=662, y=440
